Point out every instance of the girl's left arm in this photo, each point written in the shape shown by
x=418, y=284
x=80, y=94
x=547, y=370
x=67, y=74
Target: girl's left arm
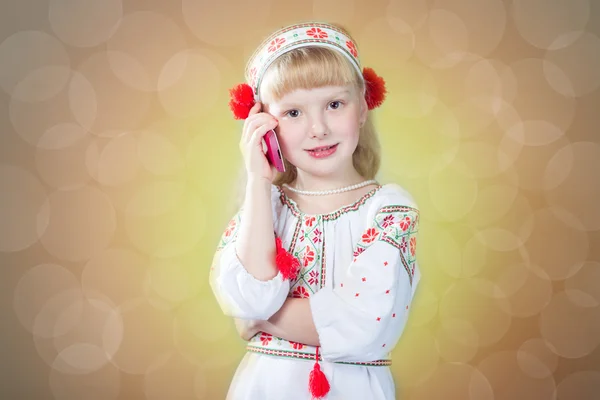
x=292, y=322
x=363, y=316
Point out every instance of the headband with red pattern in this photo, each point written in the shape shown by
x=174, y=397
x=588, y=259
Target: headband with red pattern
x=245, y=95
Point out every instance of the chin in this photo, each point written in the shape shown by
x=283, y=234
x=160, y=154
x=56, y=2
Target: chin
x=322, y=168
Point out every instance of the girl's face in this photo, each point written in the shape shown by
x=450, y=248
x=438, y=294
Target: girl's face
x=318, y=128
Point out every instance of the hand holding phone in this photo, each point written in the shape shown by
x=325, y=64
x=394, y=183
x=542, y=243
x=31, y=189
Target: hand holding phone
x=259, y=145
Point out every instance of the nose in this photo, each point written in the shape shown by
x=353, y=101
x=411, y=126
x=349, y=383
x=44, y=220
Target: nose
x=318, y=127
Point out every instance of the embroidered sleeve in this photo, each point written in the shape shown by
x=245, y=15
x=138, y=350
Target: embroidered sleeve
x=239, y=293
x=363, y=316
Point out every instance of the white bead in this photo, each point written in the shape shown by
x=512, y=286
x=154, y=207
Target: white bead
x=331, y=191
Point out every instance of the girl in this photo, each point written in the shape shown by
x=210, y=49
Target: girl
x=318, y=266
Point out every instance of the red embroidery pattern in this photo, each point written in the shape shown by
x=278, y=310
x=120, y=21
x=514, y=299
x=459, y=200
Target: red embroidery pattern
x=387, y=221
x=370, y=235
x=296, y=345
x=276, y=44
x=358, y=251
x=230, y=231
x=230, y=228
x=403, y=244
x=309, y=256
x=404, y=223
x=265, y=338
x=413, y=246
x=300, y=293
x=313, y=277
x=252, y=75
x=317, y=33
x=352, y=47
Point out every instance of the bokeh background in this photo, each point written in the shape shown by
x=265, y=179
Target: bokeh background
x=119, y=159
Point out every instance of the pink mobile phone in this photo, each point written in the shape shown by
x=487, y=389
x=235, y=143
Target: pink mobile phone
x=274, y=151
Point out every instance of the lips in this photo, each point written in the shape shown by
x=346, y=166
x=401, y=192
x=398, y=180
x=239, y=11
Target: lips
x=322, y=151
x=322, y=148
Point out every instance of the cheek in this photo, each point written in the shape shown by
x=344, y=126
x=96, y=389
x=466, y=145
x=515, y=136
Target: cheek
x=288, y=139
x=350, y=129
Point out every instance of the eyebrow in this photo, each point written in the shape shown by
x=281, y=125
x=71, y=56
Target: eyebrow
x=291, y=104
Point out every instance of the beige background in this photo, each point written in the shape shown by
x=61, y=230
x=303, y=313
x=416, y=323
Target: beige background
x=118, y=158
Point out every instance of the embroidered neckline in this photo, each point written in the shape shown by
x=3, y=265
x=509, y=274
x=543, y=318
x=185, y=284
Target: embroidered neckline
x=293, y=206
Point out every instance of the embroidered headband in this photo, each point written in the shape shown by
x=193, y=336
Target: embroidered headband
x=245, y=95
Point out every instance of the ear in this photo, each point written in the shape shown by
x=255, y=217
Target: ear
x=364, y=109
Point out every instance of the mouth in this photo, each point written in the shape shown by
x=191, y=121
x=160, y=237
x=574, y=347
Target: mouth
x=322, y=151
x=322, y=148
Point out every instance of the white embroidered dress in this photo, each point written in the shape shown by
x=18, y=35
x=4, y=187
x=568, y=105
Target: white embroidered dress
x=359, y=272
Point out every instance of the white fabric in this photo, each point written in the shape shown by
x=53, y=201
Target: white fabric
x=359, y=306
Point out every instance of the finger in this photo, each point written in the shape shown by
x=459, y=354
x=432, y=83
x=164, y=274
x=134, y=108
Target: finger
x=255, y=120
x=255, y=109
x=261, y=121
x=259, y=132
x=250, y=126
x=258, y=135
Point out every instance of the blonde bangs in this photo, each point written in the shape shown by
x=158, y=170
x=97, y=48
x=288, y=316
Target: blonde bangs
x=307, y=68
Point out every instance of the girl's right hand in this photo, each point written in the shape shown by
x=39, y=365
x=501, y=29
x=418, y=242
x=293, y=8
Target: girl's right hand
x=255, y=127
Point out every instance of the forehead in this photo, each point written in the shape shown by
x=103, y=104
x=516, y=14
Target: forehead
x=311, y=95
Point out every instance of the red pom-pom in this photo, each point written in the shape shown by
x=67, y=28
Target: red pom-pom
x=317, y=382
x=286, y=263
x=242, y=100
x=375, y=85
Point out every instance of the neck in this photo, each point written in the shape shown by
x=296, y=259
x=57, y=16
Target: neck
x=316, y=183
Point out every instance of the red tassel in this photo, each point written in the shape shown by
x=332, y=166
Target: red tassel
x=317, y=381
x=375, y=85
x=242, y=100
x=287, y=264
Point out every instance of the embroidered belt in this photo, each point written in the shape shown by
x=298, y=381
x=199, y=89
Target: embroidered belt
x=308, y=356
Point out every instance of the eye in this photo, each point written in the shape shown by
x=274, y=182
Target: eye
x=292, y=113
x=335, y=104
